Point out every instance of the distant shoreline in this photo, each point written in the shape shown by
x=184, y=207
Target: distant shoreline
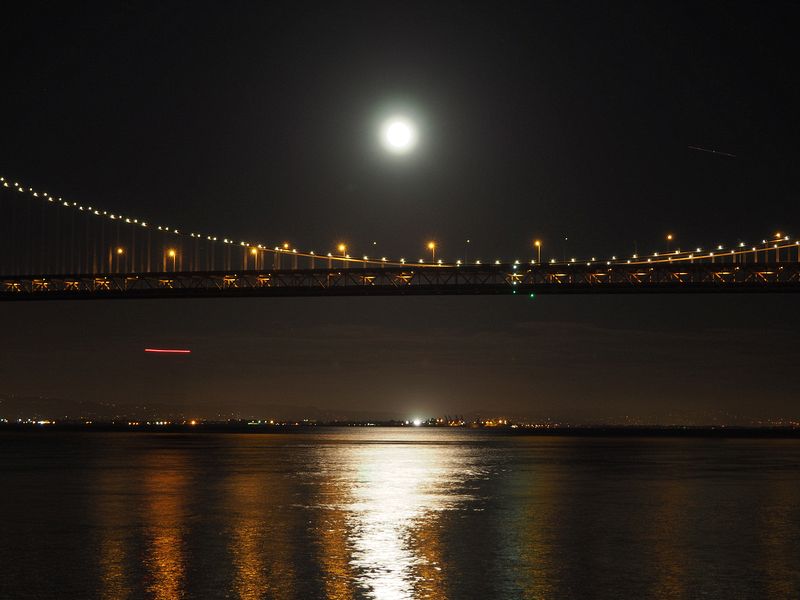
x=289, y=429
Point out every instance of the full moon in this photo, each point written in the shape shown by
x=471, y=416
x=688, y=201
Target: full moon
x=399, y=135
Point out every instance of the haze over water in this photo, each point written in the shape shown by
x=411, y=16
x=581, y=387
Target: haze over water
x=396, y=514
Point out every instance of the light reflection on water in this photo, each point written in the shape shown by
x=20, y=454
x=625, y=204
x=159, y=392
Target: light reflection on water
x=397, y=515
x=165, y=488
x=394, y=497
x=260, y=539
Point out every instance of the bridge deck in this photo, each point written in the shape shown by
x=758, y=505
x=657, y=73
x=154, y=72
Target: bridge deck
x=414, y=280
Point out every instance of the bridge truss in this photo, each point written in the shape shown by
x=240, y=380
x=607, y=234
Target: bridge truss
x=445, y=280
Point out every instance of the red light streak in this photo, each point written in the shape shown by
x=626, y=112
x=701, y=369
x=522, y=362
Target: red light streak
x=167, y=351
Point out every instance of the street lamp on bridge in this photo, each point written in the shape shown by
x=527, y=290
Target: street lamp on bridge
x=171, y=253
x=538, y=245
x=119, y=252
x=254, y=252
x=432, y=248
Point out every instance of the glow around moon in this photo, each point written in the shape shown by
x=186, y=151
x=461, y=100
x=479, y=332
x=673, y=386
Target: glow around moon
x=399, y=135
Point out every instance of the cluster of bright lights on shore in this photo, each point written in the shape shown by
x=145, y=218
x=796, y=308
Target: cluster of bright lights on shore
x=776, y=242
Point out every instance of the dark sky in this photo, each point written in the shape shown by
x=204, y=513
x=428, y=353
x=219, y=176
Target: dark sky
x=537, y=120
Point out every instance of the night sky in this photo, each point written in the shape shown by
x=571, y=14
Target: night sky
x=536, y=120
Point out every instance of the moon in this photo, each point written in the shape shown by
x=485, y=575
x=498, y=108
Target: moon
x=399, y=135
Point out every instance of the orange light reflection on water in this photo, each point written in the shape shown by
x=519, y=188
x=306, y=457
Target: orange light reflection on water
x=166, y=485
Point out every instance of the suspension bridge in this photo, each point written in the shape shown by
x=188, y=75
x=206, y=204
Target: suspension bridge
x=56, y=249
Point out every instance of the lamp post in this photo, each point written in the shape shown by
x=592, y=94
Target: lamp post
x=538, y=245
x=120, y=251
x=171, y=253
x=432, y=248
x=343, y=251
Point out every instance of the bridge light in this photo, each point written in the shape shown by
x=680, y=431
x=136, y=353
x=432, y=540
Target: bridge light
x=383, y=259
x=432, y=248
x=120, y=250
x=285, y=245
x=341, y=248
x=253, y=251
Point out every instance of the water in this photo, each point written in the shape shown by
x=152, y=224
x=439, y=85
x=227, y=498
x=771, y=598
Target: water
x=396, y=514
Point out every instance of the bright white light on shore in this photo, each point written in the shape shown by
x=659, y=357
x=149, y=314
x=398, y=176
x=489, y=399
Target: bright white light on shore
x=417, y=422
x=399, y=135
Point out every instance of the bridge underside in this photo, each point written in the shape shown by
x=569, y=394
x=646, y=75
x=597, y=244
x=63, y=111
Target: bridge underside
x=413, y=280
